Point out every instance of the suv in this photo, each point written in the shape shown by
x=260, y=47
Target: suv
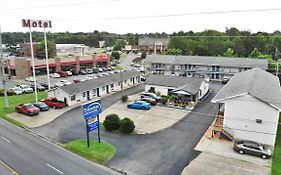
x=150, y=95
x=62, y=73
x=251, y=147
x=225, y=80
x=25, y=88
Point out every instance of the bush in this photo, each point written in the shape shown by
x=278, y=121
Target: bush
x=10, y=92
x=124, y=98
x=1, y=93
x=164, y=100
x=127, y=126
x=158, y=93
x=111, y=122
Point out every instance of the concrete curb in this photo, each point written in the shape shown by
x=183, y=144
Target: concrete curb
x=9, y=168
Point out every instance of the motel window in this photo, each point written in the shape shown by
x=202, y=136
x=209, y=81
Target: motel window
x=72, y=98
x=112, y=85
x=84, y=94
x=94, y=92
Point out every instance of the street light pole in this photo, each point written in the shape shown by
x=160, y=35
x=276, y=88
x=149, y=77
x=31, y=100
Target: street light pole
x=3, y=72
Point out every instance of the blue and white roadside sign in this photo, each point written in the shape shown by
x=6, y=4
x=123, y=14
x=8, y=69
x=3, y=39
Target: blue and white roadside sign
x=92, y=126
x=91, y=109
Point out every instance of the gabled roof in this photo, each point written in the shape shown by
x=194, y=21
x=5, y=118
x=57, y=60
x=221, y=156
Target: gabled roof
x=188, y=84
x=207, y=60
x=255, y=82
x=94, y=83
x=151, y=41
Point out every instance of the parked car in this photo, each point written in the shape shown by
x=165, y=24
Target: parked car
x=225, y=80
x=139, y=105
x=55, y=75
x=142, y=78
x=89, y=71
x=30, y=79
x=151, y=95
x=62, y=73
x=82, y=72
x=39, y=87
x=41, y=106
x=78, y=80
x=63, y=83
x=69, y=73
x=74, y=72
x=27, y=109
x=149, y=100
x=25, y=88
x=53, y=102
x=90, y=77
x=252, y=148
x=104, y=69
x=17, y=90
x=45, y=85
x=100, y=69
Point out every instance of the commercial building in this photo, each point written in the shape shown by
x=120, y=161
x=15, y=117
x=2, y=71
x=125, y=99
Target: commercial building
x=251, y=101
x=153, y=45
x=87, y=90
x=201, y=66
x=189, y=89
x=22, y=67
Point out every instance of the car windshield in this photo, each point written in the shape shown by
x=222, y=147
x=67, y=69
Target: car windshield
x=29, y=106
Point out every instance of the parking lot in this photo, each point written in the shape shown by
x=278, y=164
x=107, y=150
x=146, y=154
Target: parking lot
x=146, y=121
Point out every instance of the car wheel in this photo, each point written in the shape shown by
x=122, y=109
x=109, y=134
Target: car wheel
x=54, y=107
x=143, y=108
x=264, y=156
x=241, y=152
x=18, y=111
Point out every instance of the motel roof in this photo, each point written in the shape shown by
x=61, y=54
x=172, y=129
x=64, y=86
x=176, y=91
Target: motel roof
x=255, y=82
x=98, y=82
x=208, y=60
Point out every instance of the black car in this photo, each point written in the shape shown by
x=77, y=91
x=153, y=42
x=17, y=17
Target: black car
x=45, y=85
x=42, y=106
x=39, y=87
x=251, y=147
x=83, y=72
x=148, y=100
x=74, y=72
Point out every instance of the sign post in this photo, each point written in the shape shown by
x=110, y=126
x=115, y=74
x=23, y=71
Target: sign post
x=91, y=110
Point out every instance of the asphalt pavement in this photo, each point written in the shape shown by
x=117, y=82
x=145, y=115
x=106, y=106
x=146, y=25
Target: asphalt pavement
x=30, y=155
x=162, y=153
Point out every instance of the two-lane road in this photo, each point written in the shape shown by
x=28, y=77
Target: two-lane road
x=31, y=155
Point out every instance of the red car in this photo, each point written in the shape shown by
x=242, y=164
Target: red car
x=27, y=109
x=62, y=73
x=53, y=102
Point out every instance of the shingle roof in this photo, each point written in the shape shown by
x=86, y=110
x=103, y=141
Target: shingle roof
x=94, y=83
x=151, y=41
x=207, y=60
x=255, y=82
x=189, y=84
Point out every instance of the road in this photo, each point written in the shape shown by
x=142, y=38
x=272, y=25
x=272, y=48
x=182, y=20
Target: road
x=163, y=153
x=30, y=155
x=4, y=170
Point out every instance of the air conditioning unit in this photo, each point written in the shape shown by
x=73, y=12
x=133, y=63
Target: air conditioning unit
x=259, y=121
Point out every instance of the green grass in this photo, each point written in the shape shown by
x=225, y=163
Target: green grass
x=14, y=101
x=276, y=160
x=97, y=152
x=118, y=67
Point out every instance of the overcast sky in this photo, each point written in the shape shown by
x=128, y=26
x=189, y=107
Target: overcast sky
x=122, y=16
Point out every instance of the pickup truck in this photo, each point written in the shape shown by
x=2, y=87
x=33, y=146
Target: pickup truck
x=27, y=109
x=53, y=102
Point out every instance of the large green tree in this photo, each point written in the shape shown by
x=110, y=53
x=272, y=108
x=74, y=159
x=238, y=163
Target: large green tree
x=41, y=49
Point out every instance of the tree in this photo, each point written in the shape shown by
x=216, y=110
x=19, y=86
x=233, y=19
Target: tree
x=255, y=53
x=111, y=122
x=119, y=44
x=115, y=55
x=127, y=126
x=173, y=52
x=229, y=53
x=41, y=49
x=143, y=55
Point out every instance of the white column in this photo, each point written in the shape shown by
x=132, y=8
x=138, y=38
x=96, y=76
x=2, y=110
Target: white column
x=33, y=65
x=47, y=59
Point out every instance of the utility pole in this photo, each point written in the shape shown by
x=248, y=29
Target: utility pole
x=3, y=72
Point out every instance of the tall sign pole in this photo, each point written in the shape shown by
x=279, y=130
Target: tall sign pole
x=47, y=58
x=33, y=65
x=3, y=72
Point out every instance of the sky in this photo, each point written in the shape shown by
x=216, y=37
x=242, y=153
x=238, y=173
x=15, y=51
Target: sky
x=142, y=16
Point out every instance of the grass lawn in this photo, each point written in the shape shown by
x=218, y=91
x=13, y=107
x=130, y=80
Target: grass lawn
x=276, y=160
x=97, y=152
x=14, y=101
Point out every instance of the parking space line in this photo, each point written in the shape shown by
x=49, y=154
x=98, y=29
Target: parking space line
x=235, y=166
x=54, y=168
x=5, y=139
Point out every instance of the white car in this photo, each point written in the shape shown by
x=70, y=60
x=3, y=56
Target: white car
x=25, y=88
x=17, y=90
x=69, y=73
x=90, y=77
x=63, y=83
x=55, y=75
x=100, y=70
x=30, y=79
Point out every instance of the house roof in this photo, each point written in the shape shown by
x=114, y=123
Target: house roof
x=207, y=60
x=94, y=83
x=151, y=41
x=255, y=82
x=188, y=84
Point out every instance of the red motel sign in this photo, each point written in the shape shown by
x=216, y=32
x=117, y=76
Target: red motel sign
x=37, y=23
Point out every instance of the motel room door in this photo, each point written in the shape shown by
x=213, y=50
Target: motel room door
x=88, y=95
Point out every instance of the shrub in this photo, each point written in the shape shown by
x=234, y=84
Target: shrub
x=10, y=92
x=127, y=126
x=1, y=93
x=111, y=122
x=124, y=98
x=164, y=100
x=158, y=93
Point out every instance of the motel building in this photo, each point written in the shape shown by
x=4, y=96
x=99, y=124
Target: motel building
x=22, y=67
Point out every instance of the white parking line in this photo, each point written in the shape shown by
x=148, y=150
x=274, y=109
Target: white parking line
x=5, y=139
x=235, y=166
x=54, y=168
